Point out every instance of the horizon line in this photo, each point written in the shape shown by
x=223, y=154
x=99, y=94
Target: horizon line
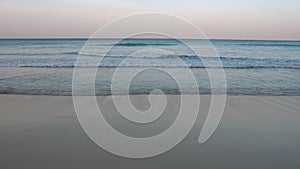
x=86, y=38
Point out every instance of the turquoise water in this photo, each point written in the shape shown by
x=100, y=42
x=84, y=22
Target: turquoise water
x=251, y=67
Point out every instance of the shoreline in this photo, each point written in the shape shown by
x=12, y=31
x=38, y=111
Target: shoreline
x=137, y=94
x=58, y=81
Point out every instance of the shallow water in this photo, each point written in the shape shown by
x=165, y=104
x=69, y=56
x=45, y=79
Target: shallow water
x=45, y=66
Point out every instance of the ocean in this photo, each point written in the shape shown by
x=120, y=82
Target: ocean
x=252, y=67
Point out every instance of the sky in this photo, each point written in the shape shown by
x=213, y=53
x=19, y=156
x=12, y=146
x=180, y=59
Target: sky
x=218, y=19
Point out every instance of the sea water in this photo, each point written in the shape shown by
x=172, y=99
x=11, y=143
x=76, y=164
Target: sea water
x=252, y=67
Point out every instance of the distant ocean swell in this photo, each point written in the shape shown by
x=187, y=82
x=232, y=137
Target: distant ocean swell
x=179, y=44
x=161, y=61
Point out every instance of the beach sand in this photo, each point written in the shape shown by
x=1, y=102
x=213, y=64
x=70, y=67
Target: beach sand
x=255, y=132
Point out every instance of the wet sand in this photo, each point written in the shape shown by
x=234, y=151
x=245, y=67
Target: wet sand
x=255, y=132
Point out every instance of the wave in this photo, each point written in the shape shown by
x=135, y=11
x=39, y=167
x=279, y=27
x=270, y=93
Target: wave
x=162, y=61
x=142, y=44
x=151, y=66
x=38, y=54
x=268, y=60
x=132, y=56
x=268, y=45
x=193, y=57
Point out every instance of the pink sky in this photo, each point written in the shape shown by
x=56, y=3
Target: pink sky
x=231, y=19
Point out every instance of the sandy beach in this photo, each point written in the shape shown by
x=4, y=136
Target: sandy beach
x=149, y=84
x=255, y=132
